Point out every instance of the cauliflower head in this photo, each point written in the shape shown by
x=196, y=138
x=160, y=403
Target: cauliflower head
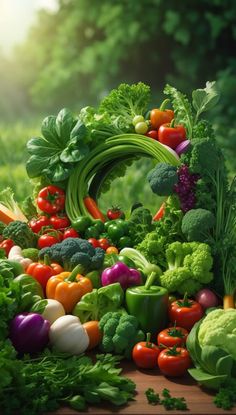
x=219, y=329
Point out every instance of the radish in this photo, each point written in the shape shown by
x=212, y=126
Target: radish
x=207, y=298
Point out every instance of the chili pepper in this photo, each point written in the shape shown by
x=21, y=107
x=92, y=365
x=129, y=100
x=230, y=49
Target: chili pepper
x=161, y=115
x=93, y=208
x=68, y=288
x=149, y=304
x=171, y=135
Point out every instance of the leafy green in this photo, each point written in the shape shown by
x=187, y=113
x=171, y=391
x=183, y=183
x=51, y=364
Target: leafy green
x=168, y=401
x=124, y=102
x=63, y=144
x=35, y=385
x=205, y=99
x=94, y=305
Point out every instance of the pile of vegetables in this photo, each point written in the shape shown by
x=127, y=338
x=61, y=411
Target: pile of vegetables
x=155, y=287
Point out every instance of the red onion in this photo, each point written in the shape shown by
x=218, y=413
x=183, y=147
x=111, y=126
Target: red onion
x=182, y=147
x=207, y=298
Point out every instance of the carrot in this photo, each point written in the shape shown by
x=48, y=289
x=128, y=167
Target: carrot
x=228, y=301
x=160, y=213
x=93, y=208
x=92, y=329
x=6, y=215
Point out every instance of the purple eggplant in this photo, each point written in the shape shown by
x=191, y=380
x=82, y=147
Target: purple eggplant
x=121, y=273
x=29, y=332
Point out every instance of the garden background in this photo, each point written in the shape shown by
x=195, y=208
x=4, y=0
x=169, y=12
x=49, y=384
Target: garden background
x=76, y=52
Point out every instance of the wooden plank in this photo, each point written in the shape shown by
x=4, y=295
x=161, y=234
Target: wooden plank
x=199, y=401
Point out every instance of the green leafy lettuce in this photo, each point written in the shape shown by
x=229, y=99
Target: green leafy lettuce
x=94, y=305
x=64, y=143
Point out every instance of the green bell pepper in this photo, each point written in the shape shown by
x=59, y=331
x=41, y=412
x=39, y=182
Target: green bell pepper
x=149, y=304
x=95, y=278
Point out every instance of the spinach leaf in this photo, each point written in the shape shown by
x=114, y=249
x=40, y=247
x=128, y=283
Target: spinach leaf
x=64, y=143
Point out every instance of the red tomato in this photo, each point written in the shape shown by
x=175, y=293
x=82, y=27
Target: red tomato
x=145, y=354
x=173, y=336
x=51, y=199
x=174, y=361
x=36, y=224
x=152, y=134
x=59, y=222
x=48, y=239
x=94, y=242
x=40, y=272
x=185, y=313
x=103, y=243
x=115, y=213
x=7, y=244
x=171, y=136
x=70, y=233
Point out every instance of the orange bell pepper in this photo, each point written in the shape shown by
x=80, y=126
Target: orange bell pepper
x=68, y=288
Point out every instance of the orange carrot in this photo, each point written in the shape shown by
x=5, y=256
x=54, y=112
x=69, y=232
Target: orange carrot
x=93, y=208
x=228, y=301
x=95, y=335
x=160, y=213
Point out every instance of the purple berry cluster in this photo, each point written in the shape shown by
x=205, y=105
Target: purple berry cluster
x=185, y=188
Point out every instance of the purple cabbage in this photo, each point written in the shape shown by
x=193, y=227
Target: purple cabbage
x=121, y=273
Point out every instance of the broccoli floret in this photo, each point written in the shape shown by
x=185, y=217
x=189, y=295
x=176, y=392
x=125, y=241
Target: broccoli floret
x=197, y=223
x=97, y=259
x=152, y=247
x=190, y=266
x=126, y=101
x=75, y=251
x=31, y=253
x=20, y=233
x=162, y=179
x=140, y=223
x=2, y=227
x=120, y=333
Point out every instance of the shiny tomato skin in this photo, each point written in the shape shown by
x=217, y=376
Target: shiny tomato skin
x=174, y=365
x=70, y=233
x=115, y=213
x=166, y=339
x=59, y=222
x=40, y=272
x=94, y=242
x=184, y=316
x=47, y=240
x=36, y=224
x=145, y=357
x=51, y=199
x=7, y=244
x=152, y=134
x=103, y=243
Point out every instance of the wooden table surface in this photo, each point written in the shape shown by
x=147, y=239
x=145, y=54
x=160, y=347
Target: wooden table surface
x=199, y=401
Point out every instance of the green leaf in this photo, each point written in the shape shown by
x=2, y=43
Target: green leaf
x=210, y=356
x=205, y=99
x=58, y=172
x=205, y=379
x=43, y=148
x=79, y=130
x=48, y=129
x=74, y=153
x=39, y=307
x=182, y=108
x=224, y=365
x=35, y=165
x=64, y=124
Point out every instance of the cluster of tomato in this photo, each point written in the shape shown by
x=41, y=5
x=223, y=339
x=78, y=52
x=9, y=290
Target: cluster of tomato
x=161, y=126
x=169, y=352
x=54, y=225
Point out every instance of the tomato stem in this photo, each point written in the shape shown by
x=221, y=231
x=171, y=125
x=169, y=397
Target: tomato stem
x=172, y=351
x=148, y=341
x=172, y=124
x=185, y=302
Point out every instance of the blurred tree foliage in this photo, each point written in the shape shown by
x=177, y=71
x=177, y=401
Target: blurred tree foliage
x=73, y=56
